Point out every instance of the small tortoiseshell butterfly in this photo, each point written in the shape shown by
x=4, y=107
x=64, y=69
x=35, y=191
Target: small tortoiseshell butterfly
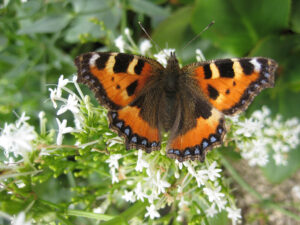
x=144, y=98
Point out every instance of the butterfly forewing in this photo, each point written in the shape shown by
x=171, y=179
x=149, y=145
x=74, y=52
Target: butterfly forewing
x=231, y=84
x=118, y=81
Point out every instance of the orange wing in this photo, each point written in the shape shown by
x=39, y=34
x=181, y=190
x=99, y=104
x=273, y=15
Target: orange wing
x=138, y=133
x=231, y=84
x=115, y=78
x=207, y=133
x=119, y=83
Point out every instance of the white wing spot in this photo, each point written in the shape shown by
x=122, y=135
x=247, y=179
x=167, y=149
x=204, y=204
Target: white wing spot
x=256, y=64
x=93, y=59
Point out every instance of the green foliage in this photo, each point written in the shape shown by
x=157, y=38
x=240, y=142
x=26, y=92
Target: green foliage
x=39, y=41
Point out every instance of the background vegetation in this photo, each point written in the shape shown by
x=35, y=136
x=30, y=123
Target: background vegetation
x=39, y=40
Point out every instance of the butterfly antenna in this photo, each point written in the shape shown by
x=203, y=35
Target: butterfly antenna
x=157, y=47
x=206, y=28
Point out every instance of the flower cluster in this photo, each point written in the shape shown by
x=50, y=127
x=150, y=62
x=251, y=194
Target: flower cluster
x=122, y=44
x=17, y=138
x=70, y=104
x=260, y=136
x=157, y=184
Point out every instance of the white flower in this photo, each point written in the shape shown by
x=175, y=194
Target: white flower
x=201, y=177
x=256, y=152
x=62, y=129
x=145, y=46
x=139, y=192
x=214, y=195
x=248, y=127
x=113, y=161
x=120, y=43
x=22, y=120
x=53, y=96
x=151, y=211
x=128, y=196
x=41, y=115
x=212, y=172
x=61, y=84
x=98, y=210
x=234, y=214
x=103, y=207
x=114, y=177
x=127, y=31
x=20, y=219
x=190, y=168
x=211, y=211
x=141, y=163
x=17, y=138
x=72, y=105
x=179, y=164
x=279, y=159
x=221, y=204
x=160, y=184
x=199, y=55
x=262, y=114
x=163, y=55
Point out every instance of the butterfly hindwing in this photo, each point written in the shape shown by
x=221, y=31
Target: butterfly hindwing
x=138, y=133
x=200, y=126
x=231, y=84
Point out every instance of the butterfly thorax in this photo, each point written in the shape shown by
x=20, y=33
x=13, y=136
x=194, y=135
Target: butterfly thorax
x=169, y=106
x=171, y=75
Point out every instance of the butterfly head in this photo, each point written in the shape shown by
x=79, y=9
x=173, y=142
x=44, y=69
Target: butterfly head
x=172, y=63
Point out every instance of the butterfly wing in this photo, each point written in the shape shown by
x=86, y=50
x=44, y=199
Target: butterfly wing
x=230, y=85
x=200, y=126
x=119, y=81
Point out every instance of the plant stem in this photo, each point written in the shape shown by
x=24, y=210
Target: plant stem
x=131, y=212
x=90, y=215
x=240, y=180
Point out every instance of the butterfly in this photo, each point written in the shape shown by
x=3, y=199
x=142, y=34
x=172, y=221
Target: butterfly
x=145, y=99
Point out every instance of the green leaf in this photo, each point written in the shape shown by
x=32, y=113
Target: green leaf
x=240, y=24
x=281, y=98
x=259, y=14
x=295, y=18
x=91, y=6
x=219, y=219
x=91, y=215
x=172, y=32
x=82, y=24
x=131, y=212
x=48, y=24
x=148, y=8
x=277, y=174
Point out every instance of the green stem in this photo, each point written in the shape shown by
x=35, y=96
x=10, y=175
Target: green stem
x=91, y=215
x=240, y=180
x=253, y=192
x=282, y=210
x=131, y=212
